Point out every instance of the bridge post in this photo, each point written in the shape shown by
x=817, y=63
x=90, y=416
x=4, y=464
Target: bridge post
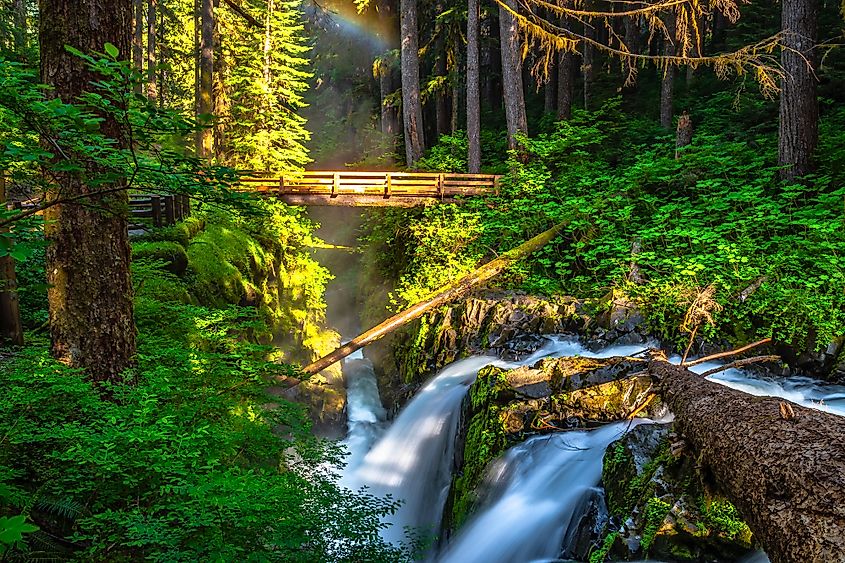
x=336, y=184
x=282, y=186
x=155, y=204
x=440, y=185
x=388, y=185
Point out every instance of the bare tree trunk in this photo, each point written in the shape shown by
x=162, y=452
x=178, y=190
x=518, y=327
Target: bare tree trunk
x=799, y=110
x=152, y=9
x=11, y=331
x=632, y=42
x=587, y=60
x=781, y=464
x=514, y=97
x=683, y=135
x=410, y=63
x=388, y=111
x=21, y=31
x=441, y=104
x=473, y=84
x=90, y=294
x=446, y=294
x=550, y=89
x=205, y=103
x=667, y=86
x=138, y=40
x=565, y=85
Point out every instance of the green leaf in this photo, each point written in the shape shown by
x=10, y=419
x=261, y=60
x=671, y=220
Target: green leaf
x=111, y=50
x=12, y=529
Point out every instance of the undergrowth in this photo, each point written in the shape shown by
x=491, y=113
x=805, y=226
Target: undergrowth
x=717, y=215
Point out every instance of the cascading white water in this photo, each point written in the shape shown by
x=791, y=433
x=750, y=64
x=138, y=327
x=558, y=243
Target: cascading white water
x=364, y=412
x=541, y=484
x=412, y=459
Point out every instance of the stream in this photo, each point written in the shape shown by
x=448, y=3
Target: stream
x=534, y=491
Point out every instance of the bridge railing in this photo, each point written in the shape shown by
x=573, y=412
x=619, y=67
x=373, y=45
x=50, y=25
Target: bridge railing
x=334, y=184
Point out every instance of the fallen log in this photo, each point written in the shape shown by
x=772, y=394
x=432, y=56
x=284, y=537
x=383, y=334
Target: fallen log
x=781, y=464
x=447, y=294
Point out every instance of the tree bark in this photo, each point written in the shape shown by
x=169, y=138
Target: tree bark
x=550, y=89
x=152, y=89
x=512, y=87
x=138, y=40
x=587, y=60
x=205, y=102
x=90, y=294
x=21, y=31
x=667, y=86
x=443, y=112
x=683, y=135
x=447, y=294
x=389, y=126
x=11, y=331
x=799, y=111
x=410, y=63
x=565, y=85
x=473, y=87
x=785, y=473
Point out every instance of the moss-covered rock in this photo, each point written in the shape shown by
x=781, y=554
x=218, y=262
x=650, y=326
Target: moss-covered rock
x=172, y=254
x=660, y=506
x=504, y=405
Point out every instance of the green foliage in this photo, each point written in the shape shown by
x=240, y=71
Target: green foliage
x=715, y=216
x=12, y=529
x=656, y=511
x=600, y=555
x=722, y=517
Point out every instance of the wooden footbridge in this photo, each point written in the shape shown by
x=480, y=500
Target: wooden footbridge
x=373, y=189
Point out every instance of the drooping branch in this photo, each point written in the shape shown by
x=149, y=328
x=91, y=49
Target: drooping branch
x=238, y=9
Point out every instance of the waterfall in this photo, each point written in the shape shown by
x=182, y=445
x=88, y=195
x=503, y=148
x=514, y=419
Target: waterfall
x=535, y=489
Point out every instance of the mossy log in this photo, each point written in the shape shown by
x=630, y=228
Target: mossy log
x=781, y=464
x=446, y=295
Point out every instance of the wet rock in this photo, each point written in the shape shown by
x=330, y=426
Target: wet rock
x=662, y=508
x=579, y=540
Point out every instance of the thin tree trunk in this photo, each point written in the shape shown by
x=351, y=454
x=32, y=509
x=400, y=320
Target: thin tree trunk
x=473, y=86
x=799, y=110
x=632, y=42
x=11, y=331
x=565, y=85
x=512, y=87
x=550, y=89
x=389, y=125
x=587, y=60
x=441, y=104
x=21, y=31
x=781, y=464
x=667, y=86
x=205, y=103
x=90, y=293
x=152, y=9
x=410, y=63
x=447, y=294
x=138, y=40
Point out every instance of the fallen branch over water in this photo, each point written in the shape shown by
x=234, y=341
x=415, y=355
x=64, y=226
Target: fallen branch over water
x=445, y=295
x=740, y=363
x=785, y=474
x=733, y=352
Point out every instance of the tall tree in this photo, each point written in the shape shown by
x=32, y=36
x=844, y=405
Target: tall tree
x=152, y=9
x=138, y=39
x=514, y=97
x=588, y=54
x=667, y=85
x=205, y=105
x=565, y=84
x=410, y=63
x=799, y=111
x=473, y=87
x=90, y=294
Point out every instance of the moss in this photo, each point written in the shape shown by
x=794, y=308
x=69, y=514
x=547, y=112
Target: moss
x=180, y=233
x=600, y=555
x=655, y=514
x=723, y=519
x=172, y=253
